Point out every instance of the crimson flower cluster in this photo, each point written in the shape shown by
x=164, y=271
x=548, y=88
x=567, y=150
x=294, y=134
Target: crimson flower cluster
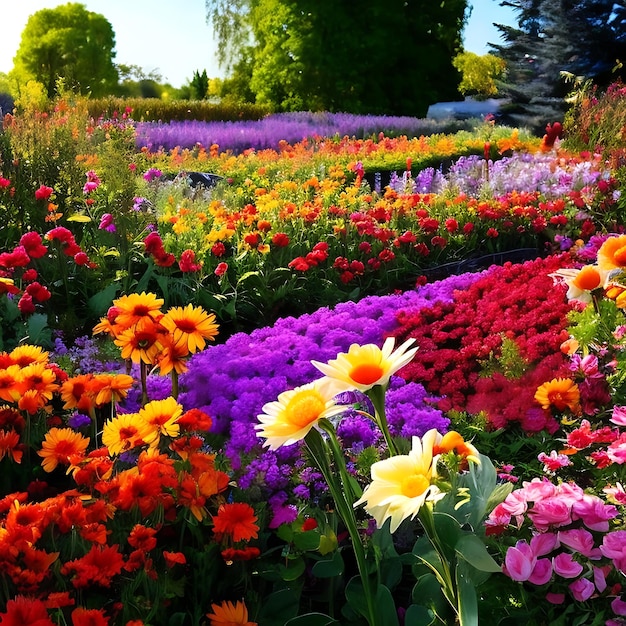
x=154, y=247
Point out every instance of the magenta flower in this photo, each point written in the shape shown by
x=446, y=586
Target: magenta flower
x=579, y=540
x=553, y=461
x=550, y=512
x=519, y=562
x=582, y=589
x=614, y=547
x=43, y=193
x=106, y=223
x=565, y=565
x=593, y=512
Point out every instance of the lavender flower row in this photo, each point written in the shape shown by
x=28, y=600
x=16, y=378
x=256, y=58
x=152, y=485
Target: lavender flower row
x=269, y=131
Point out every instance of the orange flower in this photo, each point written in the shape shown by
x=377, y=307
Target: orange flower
x=111, y=387
x=38, y=377
x=26, y=354
x=161, y=416
x=174, y=558
x=229, y=614
x=172, y=356
x=140, y=342
x=10, y=445
x=561, y=393
x=59, y=445
x=190, y=326
x=612, y=253
x=11, y=384
x=237, y=520
x=135, y=307
x=76, y=393
x=142, y=538
x=31, y=401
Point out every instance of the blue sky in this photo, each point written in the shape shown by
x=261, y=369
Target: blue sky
x=174, y=38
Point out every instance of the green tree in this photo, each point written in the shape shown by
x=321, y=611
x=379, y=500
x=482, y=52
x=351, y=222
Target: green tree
x=480, y=73
x=374, y=56
x=199, y=85
x=553, y=39
x=68, y=42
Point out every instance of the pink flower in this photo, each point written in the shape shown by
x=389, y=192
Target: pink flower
x=544, y=543
x=555, y=598
x=542, y=572
x=579, y=540
x=614, y=547
x=519, y=562
x=564, y=565
x=582, y=589
x=619, y=415
x=599, y=577
x=43, y=193
x=538, y=489
x=106, y=223
x=594, y=513
x=550, y=512
x=553, y=461
x=618, y=606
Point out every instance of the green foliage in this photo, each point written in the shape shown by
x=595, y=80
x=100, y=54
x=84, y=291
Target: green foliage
x=509, y=361
x=68, y=42
x=199, y=85
x=479, y=74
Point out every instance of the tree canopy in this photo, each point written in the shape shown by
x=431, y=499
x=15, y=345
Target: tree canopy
x=68, y=42
x=555, y=39
x=374, y=56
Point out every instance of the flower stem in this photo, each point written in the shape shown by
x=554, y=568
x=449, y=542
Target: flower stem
x=377, y=395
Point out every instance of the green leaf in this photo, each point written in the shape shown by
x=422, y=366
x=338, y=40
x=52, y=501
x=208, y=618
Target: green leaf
x=427, y=591
x=426, y=553
x=308, y=540
x=384, y=605
x=327, y=568
x=279, y=607
x=100, y=302
x=473, y=550
x=467, y=600
x=418, y=615
x=37, y=329
x=312, y=619
x=293, y=570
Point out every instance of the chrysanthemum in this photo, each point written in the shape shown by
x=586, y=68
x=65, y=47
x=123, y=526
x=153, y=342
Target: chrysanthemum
x=160, y=417
x=612, y=253
x=60, y=445
x=137, y=306
x=581, y=282
x=289, y=418
x=364, y=367
x=124, y=432
x=190, y=326
x=237, y=520
x=229, y=614
x=402, y=484
x=561, y=393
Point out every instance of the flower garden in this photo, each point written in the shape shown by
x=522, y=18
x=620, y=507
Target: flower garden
x=362, y=381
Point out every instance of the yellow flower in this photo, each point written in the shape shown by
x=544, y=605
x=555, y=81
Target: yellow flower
x=289, y=418
x=402, y=484
x=561, y=393
x=26, y=354
x=161, y=417
x=124, y=432
x=137, y=306
x=229, y=614
x=190, y=326
x=364, y=367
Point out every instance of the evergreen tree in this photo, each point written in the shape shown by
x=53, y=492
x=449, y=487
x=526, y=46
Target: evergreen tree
x=556, y=39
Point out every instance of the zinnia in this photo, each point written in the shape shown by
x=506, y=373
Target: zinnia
x=289, y=418
x=402, y=484
x=364, y=367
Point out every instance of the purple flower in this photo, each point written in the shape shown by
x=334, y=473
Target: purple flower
x=152, y=174
x=78, y=421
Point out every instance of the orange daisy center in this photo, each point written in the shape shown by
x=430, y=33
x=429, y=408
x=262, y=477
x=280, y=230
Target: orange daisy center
x=366, y=373
x=414, y=486
x=588, y=279
x=304, y=409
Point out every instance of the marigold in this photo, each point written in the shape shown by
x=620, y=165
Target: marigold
x=294, y=413
x=364, y=367
x=60, y=445
x=561, y=393
x=236, y=520
x=190, y=326
x=229, y=614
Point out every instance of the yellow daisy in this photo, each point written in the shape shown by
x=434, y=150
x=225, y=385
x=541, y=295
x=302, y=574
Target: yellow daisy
x=160, y=416
x=124, y=432
x=364, y=367
x=289, y=418
x=402, y=484
x=190, y=326
x=59, y=446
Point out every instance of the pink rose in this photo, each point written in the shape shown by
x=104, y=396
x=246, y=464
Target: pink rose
x=564, y=565
x=519, y=562
x=550, y=512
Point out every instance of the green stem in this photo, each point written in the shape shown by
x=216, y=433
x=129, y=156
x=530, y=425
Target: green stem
x=377, y=395
x=143, y=368
x=174, y=384
x=344, y=501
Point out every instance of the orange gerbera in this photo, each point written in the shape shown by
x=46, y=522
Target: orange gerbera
x=172, y=357
x=76, y=393
x=612, y=253
x=124, y=432
x=11, y=384
x=26, y=354
x=561, y=393
x=140, y=342
x=161, y=416
x=38, y=377
x=236, y=520
x=190, y=326
x=135, y=307
x=111, y=387
x=10, y=445
x=60, y=445
x=229, y=614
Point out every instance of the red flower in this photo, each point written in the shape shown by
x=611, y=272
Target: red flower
x=221, y=269
x=252, y=239
x=174, y=558
x=236, y=520
x=218, y=249
x=299, y=264
x=309, y=524
x=468, y=228
x=97, y=568
x=43, y=193
x=153, y=243
x=21, y=611
x=280, y=240
x=492, y=233
x=451, y=225
x=38, y=292
x=80, y=258
x=32, y=243
x=26, y=304
x=186, y=262
x=4, y=183
x=89, y=617
x=243, y=554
